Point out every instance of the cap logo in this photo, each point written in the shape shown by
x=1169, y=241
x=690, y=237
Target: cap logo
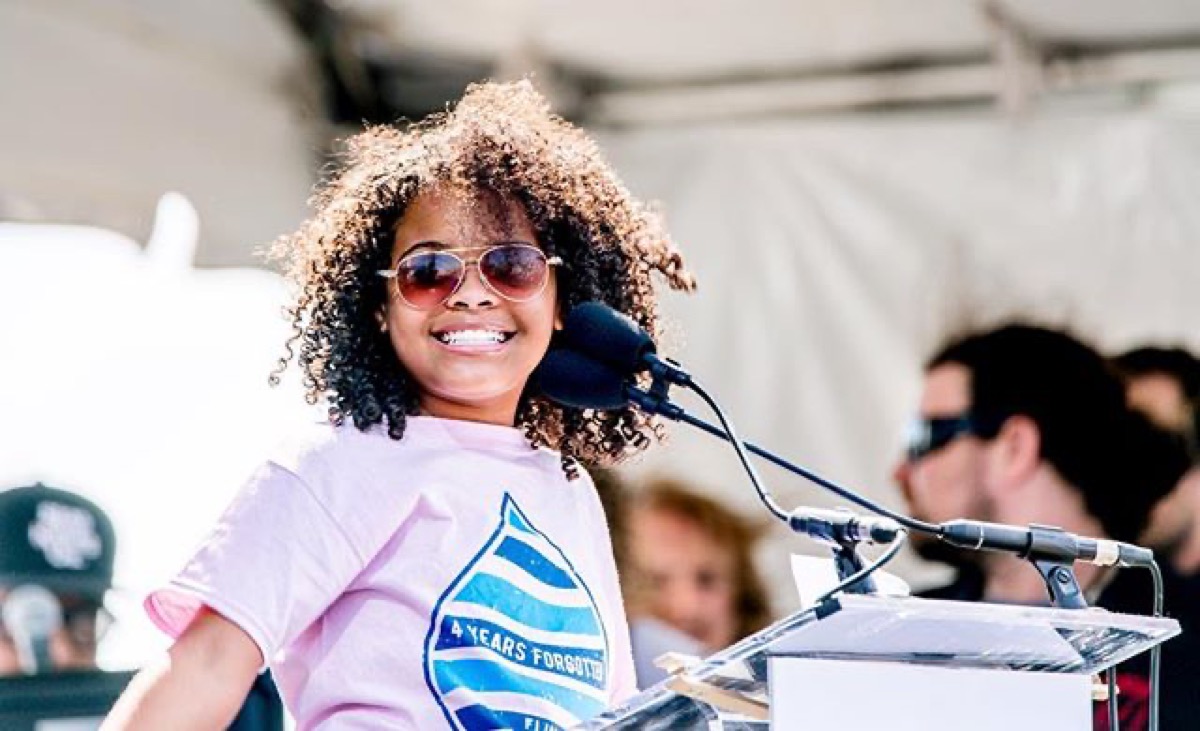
x=65, y=534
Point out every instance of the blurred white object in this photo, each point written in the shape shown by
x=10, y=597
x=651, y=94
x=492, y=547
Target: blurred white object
x=141, y=384
x=172, y=244
x=31, y=616
x=651, y=639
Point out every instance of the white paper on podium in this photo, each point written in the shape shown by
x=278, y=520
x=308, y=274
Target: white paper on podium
x=816, y=694
x=815, y=576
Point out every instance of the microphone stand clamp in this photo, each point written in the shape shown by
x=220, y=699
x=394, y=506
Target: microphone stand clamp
x=848, y=563
x=1051, y=551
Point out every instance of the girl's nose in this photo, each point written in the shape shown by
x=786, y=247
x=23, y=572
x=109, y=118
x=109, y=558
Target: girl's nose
x=472, y=293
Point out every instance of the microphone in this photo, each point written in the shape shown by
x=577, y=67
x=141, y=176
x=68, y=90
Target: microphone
x=32, y=615
x=613, y=338
x=1039, y=541
x=573, y=379
x=840, y=527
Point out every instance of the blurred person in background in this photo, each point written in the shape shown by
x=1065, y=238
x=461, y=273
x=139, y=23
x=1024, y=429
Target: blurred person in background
x=649, y=637
x=613, y=492
x=1164, y=384
x=56, y=564
x=692, y=570
x=1026, y=425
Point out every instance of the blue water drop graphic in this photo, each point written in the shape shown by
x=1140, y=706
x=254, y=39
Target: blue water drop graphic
x=516, y=640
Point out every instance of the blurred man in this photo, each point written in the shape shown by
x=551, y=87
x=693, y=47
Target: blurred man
x=692, y=566
x=1024, y=425
x=56, y=563
x=1027, y=425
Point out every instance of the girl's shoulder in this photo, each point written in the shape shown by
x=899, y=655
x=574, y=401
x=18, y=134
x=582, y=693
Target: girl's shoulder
x=320, y=446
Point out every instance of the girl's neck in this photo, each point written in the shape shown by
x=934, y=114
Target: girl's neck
x=498, y=414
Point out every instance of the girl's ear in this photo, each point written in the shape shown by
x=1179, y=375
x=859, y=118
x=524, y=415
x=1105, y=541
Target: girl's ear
x=558, y=317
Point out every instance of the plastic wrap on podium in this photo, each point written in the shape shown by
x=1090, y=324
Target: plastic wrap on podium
x=902, y=630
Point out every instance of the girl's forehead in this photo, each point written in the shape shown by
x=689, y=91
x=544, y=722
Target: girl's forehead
x=460, y=217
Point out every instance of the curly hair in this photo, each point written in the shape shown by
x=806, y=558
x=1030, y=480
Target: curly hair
x=500, y=139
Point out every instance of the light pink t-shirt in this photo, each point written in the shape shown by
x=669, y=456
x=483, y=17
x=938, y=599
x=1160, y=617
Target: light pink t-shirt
x=452, y=579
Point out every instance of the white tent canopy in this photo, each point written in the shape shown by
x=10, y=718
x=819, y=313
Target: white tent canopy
x=673, y=41
x=675, y=61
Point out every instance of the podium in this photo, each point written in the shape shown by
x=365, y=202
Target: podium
x=904, y=664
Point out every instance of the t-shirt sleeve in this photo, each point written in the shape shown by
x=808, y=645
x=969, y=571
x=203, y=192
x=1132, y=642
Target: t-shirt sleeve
x=273, y=563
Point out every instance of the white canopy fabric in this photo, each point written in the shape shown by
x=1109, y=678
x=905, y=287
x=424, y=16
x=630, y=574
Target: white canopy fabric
x=672, y=40
x=109, y=104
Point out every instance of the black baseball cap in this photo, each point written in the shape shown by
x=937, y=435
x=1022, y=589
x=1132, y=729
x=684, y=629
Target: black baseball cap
x=57, y=539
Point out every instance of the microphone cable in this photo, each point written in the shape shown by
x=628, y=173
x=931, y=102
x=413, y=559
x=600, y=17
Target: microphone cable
x=1114, y=719
x=732, y=437
x=1156, y=651
x=777, y=511
x=913, y=524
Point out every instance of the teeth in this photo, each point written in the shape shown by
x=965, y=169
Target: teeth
x=472, y=337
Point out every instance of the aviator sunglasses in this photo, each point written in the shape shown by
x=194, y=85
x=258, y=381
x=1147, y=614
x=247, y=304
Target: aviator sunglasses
x=427, y=278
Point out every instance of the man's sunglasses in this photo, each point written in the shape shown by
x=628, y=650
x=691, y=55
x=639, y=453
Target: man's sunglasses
x=427, y=278
x=928, y=435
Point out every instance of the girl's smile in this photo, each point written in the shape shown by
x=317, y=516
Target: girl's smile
x=470, y=338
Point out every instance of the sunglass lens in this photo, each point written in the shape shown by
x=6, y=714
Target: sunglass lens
x=917, y=439
x=425, y=280
x=927, y=436
x=516, y=272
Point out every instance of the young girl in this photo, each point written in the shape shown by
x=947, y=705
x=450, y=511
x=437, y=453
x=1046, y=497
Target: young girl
x=432, y=557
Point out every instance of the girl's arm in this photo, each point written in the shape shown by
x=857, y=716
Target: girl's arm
x=201, y=683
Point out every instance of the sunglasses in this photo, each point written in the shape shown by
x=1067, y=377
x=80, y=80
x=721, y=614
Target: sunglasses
x=514, y=271
x=926, y=436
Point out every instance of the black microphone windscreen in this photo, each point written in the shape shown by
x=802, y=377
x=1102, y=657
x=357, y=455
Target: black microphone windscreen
x=573, y=379
x=600, y=332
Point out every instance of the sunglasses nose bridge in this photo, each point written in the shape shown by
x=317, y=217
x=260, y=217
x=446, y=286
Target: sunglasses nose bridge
x=463, y=287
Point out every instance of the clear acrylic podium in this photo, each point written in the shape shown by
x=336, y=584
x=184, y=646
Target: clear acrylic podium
x=915, y=663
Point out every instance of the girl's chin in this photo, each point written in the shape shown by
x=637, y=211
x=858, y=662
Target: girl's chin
x=449, y=401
